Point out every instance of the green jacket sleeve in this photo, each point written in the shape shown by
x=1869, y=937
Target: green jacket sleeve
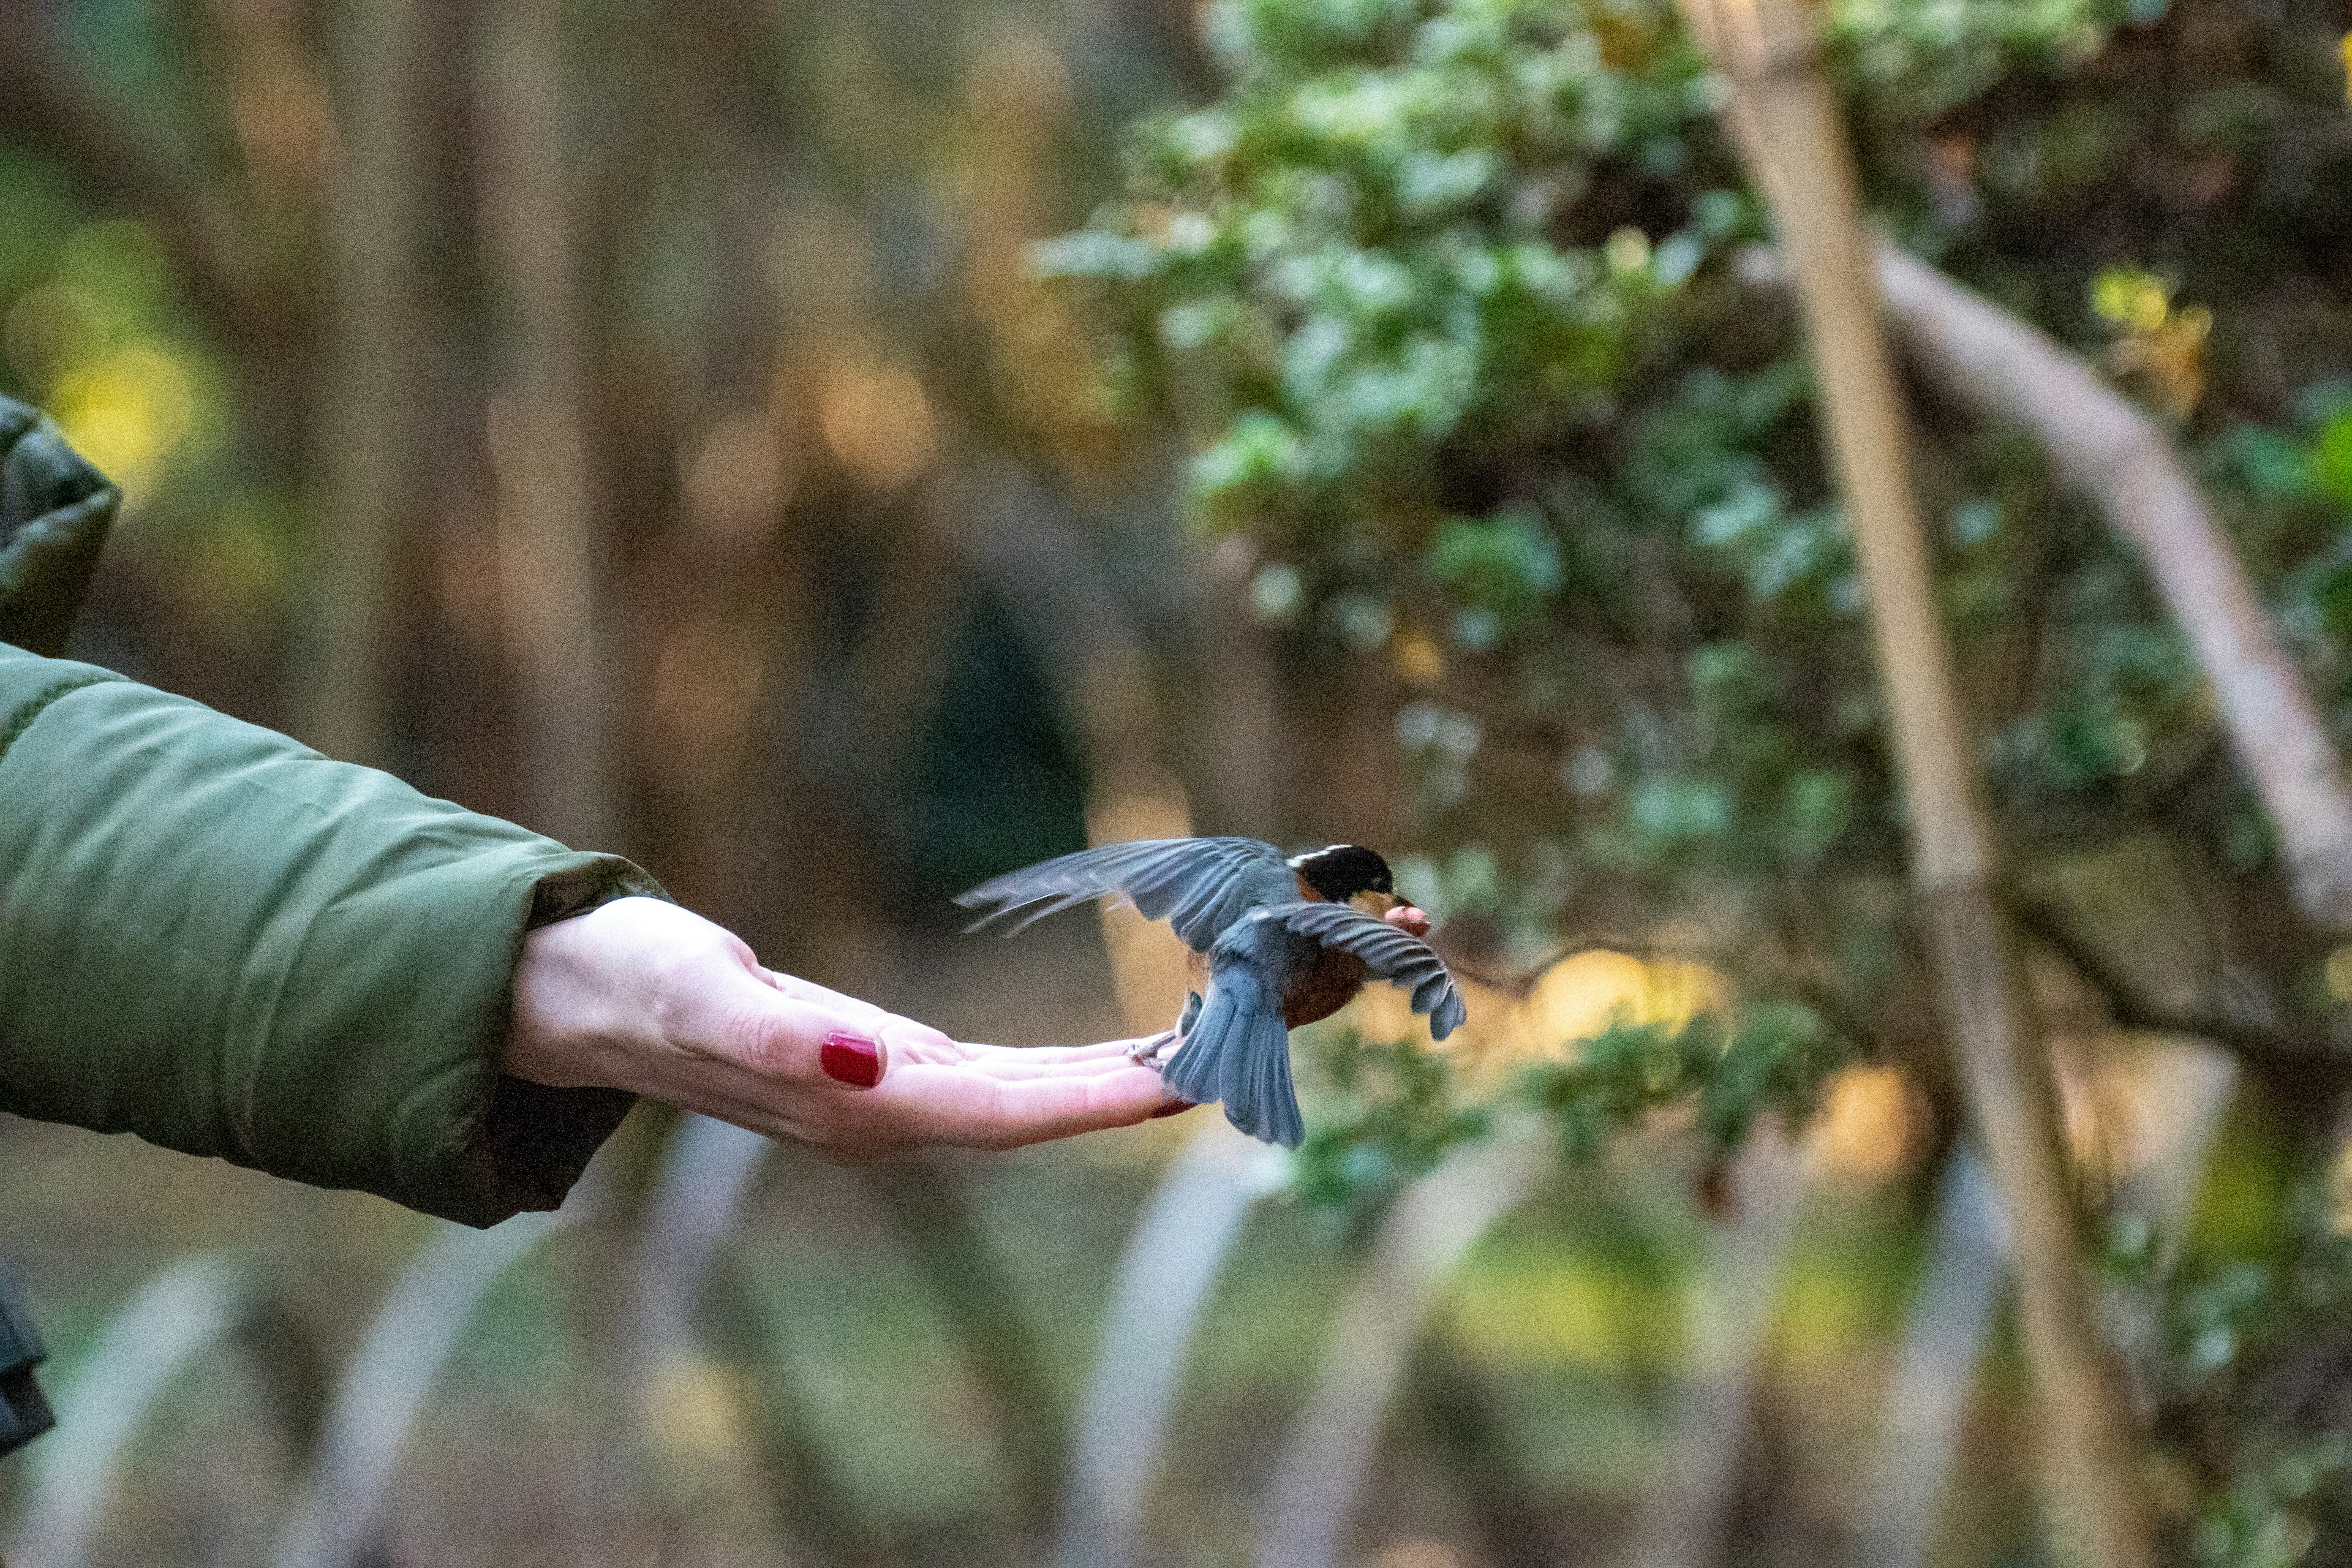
x=221, y=941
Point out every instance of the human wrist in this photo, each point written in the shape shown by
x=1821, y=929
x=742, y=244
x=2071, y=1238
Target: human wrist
x=577, y=1020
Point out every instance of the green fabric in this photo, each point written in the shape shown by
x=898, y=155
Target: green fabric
x=54, y=512
x=220, y=941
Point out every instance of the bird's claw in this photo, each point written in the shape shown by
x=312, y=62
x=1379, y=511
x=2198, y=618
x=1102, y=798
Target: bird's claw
x=1155, y=1051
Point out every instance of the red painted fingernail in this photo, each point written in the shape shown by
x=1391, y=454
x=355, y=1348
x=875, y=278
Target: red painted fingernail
x=1174, y=1108
x=851, y=1058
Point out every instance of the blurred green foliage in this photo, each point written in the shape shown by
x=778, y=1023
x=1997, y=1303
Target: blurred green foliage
x=1385, y=1112
x=1771, y=1058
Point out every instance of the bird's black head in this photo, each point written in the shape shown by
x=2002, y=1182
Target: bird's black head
x=1343, y=871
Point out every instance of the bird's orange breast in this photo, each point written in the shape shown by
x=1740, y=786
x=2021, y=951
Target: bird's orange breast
x=1322, y=987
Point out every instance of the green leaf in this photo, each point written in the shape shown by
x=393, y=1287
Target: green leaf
x=1508, y=565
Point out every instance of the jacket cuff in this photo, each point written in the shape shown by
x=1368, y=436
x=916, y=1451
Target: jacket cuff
x=525, y=1143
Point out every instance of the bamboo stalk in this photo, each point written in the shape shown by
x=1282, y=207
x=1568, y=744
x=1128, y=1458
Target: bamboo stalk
x=1787, y=126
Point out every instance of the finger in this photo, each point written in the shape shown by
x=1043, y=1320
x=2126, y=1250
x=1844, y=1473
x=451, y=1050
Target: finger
x=1101, y=1050
x=802, y=990
x=957, y=1105
x=1009, y=1066
x=906, y=1037
x=919, y=1042
x=787, y=1038
x=898, y=1038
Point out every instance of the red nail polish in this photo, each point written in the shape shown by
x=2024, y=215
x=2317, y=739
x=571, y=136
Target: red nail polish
x=1174, y=1108
x=851, y=1058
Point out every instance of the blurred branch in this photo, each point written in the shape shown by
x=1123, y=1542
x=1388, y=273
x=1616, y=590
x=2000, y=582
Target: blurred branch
x=2133, y=1009
x=1785, y=122
x=2102, y=446
x=50, y=106
x=1952, y=1313
x=146, y=1345
x=1175, y=1254
x=2099, y=443
x=386, y=1381
x=1319, y=1481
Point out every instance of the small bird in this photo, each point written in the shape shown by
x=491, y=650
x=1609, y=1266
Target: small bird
x=1285, y=941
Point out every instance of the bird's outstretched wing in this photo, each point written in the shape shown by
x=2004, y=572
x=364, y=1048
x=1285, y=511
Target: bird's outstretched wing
x=1200, y=886
x=1390, y=952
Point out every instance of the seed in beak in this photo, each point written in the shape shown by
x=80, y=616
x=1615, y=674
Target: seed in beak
x=1407, y=919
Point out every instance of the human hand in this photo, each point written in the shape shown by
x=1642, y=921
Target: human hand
x=643, y=995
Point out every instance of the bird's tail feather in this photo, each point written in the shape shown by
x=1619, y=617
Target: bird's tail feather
x=1237, y=1050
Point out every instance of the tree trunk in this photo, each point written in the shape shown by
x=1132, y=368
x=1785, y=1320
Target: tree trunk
x=371, y=428
x=550, y=560
x=1786, y=123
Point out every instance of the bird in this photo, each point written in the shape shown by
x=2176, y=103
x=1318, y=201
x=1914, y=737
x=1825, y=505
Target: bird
x=1285, y=940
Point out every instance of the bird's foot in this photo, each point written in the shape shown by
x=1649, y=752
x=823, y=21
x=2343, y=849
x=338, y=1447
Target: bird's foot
x=1155, y=1051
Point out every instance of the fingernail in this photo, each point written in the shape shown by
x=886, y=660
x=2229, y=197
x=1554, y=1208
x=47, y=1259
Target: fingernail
x=1174, y=1108
x=851, y=1058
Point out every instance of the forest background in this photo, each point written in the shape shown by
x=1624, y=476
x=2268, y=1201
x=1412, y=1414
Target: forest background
x=833, y=454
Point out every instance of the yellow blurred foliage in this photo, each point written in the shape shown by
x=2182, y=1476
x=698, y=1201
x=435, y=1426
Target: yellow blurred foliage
x=2340, y=1193
x=1582, y=1311
x=2339, y=975
x=2136, y=1104
x=128, y=412
x=2162, y=346
x=1418, y=658
x=1573, y=1000
x=1863, y=1130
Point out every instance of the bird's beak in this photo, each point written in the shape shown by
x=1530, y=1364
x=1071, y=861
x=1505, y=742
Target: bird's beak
x=1409, y=920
